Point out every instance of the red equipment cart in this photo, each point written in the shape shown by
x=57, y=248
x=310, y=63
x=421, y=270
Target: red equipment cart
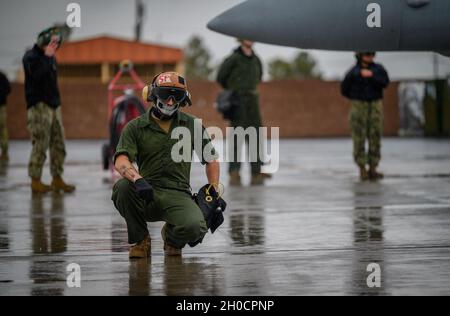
x=122, y=108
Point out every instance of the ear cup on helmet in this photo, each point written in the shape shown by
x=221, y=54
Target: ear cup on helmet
x=145, y=93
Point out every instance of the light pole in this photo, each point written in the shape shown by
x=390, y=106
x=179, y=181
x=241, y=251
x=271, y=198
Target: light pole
x=140, y=12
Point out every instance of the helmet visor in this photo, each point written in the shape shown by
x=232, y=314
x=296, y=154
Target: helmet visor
x=165, y=93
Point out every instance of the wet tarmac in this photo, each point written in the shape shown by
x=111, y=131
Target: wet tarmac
x=313, y=230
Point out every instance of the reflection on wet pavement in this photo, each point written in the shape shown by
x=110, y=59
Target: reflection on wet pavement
x=140, y=277
x=48, y=237
x=247, y=228
x=368, y=238
x=313, y=229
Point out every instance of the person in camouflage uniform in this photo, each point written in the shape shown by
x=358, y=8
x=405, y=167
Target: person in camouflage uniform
x=242, y=72
x=364, y=85
x=5, y=90
x=44, y=119
x=47, y=133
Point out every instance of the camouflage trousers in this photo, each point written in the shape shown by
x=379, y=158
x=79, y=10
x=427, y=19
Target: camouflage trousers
x=3, y=130
x=47, y=133
x=366, y=122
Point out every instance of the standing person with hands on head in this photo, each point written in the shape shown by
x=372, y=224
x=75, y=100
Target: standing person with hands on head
x=44, y=118
x=5, y=90
x=364, y=85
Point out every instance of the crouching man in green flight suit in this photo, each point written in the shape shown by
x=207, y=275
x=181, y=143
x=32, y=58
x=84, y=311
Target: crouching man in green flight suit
x=159, y=190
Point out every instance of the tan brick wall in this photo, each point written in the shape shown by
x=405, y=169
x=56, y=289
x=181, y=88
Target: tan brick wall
x=300, y=108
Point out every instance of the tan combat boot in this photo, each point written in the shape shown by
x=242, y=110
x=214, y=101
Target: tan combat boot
x=171, y=251
x=38, y=187
x=168, y=249
x=258, y=179
x=235, y=179
x=59, y=184
x=141, y=249
x=374, y=175
x=363, y=174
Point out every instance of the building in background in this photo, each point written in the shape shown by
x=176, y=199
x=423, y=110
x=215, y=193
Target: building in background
x=96, y=60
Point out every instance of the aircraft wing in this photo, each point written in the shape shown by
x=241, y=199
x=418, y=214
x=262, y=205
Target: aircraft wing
x=355, y=25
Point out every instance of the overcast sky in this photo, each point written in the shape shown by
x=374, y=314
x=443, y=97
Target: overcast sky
x=172, y=22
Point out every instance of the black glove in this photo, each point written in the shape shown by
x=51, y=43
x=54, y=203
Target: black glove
x=144, y=190
x=211, y=205
x=221, y=205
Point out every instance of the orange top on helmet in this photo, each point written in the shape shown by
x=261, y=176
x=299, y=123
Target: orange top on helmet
x=170, y=79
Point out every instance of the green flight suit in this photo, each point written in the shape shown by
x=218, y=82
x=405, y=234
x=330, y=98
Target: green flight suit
x=145, y=143
x=242, y=74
